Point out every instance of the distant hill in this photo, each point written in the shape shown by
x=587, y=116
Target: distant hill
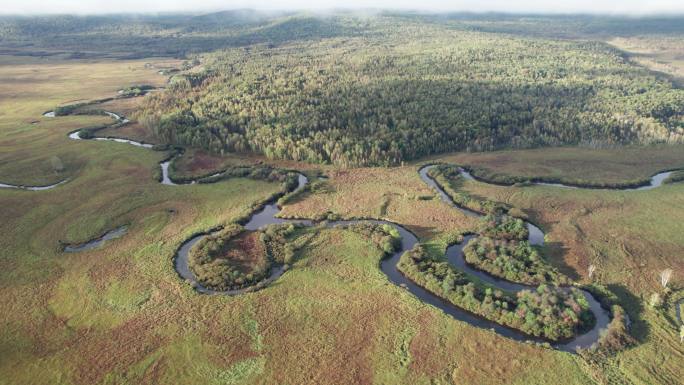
x=168, y=35
x=181, y=34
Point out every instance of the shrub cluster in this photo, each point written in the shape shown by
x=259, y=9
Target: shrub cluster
x=89, y=132
x=616, y=336
x=386, y=237
x=136, y=90
x=514, y=260
x=503, y=227
x=676, y=176
x=501, y=249
x=69, y=109
x=449, y=178
x=209, y=260
x=233, y=259
x=548, y=312
x=261, y=172
x=276, y=238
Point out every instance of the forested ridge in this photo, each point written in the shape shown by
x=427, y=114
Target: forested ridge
x=179, y=35
x=404, y=89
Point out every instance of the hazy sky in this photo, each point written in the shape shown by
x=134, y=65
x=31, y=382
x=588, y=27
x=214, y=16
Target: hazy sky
x=555, y=6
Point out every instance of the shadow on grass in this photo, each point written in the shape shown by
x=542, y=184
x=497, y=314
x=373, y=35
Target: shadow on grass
x=635, y=309
x=425, y=234
x=555, y=253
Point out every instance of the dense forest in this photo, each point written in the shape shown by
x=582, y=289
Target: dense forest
x=353, y=88
x=406, y=88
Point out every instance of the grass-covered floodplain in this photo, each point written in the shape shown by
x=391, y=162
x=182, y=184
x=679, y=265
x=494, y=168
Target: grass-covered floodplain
x=30, y=141
x=630, y=236
x=120, y=314
x=575, y=165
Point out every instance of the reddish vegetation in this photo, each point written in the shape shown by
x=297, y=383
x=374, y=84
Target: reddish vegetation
x=196, y=162
x=246, y=251
x=423, y=346
x=397, y=194
x=133, y=130
x=202, y=161
x=98, y=355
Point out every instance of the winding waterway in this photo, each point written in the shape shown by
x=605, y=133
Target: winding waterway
x=75, y=136
x=33, y=188
x=656, y=180
x=267, y=215
x=164, y=165
x=454, y=254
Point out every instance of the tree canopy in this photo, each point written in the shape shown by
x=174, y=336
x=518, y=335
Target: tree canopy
x=409, y=90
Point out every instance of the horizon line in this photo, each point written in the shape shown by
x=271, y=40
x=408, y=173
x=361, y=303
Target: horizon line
x=208, y=11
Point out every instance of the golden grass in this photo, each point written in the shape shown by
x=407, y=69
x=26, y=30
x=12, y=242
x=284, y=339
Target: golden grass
x=27, y=90
x=396, y=194
x=663, y=54
x=629, y=236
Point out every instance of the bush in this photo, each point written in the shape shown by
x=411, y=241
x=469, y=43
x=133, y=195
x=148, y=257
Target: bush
x=279, y=248
x=616, y=337
x=503, y=227
x=449, y=178
x=68, y=109
x=89, y=132
x=676, y=176
x=549, y=312
x=214, y=267
x=492, y=177
x=385, y=236
x=136, y=90
x=261, y=172
x=516, y=261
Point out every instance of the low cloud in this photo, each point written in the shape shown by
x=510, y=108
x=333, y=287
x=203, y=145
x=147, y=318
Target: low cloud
x=629, y=7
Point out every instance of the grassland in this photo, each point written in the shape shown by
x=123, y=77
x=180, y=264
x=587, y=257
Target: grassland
x=664, y=54
x=196, y=162
x=630, y=237
x=570, y=164
x=640, y=227
x=30, y=141
x=119, y=314
x=394, y=194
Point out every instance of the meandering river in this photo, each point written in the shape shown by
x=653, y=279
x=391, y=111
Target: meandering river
x=267, y=215
x=656, y=180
